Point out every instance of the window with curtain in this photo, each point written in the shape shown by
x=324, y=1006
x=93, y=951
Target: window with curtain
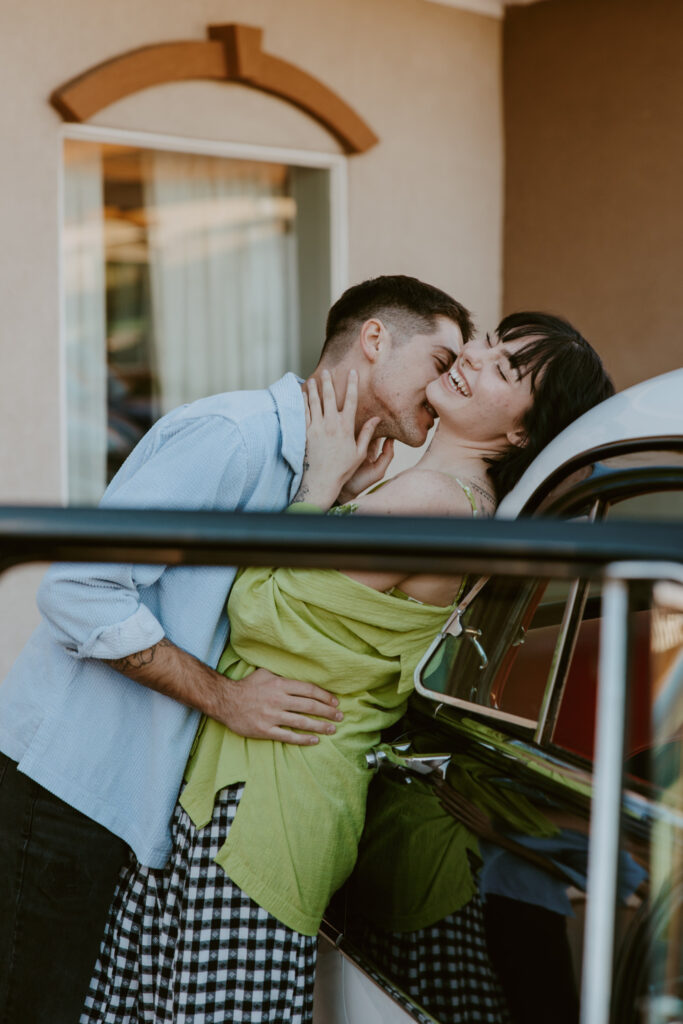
x=184, y=275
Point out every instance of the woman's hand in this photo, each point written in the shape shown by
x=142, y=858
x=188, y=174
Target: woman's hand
x=371, y=470
x=333, y=452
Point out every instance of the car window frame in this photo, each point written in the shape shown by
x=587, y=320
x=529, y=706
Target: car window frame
x=586, y=485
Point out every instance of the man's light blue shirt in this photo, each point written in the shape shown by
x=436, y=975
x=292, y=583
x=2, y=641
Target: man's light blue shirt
x=108, y=746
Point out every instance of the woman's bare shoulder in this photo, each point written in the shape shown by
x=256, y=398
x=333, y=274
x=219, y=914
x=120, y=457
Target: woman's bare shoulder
x=417, y=492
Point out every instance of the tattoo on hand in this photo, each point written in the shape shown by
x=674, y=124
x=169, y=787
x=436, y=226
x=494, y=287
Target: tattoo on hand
x=303, y=491
x=138, y=659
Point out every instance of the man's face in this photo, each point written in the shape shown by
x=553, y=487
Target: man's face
x=401, y=375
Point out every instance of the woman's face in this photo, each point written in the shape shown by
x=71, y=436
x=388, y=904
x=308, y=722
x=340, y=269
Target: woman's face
x=481, y=396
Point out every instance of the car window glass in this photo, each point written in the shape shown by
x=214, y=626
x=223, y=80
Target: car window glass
x=500, y=663
x=657, y=505
x=574, y=727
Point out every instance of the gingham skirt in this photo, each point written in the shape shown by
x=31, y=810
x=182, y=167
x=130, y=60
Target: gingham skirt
x=183, y=944
x=445, y=969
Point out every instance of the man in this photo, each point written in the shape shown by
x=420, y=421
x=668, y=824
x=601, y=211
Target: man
x=92, y=750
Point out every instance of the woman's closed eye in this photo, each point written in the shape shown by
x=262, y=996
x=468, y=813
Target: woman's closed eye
x=499, y=366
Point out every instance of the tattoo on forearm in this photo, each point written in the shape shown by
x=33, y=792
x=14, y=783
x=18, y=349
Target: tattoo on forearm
x=139, y=659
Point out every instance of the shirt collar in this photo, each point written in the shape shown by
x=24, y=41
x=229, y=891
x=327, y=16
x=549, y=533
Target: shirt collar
x=289, y=403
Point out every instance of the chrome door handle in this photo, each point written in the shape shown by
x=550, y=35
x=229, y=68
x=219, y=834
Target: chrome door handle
x=411, y=764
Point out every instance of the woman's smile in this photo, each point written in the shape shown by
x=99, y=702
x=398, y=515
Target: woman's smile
x=455, y=383
x=460, y=382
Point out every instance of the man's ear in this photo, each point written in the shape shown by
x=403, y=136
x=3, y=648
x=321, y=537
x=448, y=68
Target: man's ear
x=372, y=334
x=517, y=437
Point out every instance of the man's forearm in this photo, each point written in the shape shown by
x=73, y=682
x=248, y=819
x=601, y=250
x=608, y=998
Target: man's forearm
x=177, y=674
x=260, y=706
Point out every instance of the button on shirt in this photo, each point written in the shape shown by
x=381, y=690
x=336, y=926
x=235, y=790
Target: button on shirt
x=107, y=745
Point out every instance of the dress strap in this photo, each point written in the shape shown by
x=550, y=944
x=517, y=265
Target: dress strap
x=468, y=494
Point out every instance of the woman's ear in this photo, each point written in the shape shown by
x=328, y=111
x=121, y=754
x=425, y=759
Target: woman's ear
x=518, y=437
x=371, y=337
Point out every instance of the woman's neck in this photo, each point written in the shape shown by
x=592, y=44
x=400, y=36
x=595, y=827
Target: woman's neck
x=447, y=454
x=463, y=460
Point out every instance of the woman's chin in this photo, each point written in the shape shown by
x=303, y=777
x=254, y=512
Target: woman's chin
x=435, y=396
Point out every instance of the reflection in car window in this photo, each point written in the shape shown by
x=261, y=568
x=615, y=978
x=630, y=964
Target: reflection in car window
x=658, y=505
x=502, y=660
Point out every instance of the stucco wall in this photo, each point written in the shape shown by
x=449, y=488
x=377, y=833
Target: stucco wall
x=594, y=163
x=426, y=201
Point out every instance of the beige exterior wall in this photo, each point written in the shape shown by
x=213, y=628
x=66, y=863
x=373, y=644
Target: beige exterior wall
x=594, y=164
x=426, y=201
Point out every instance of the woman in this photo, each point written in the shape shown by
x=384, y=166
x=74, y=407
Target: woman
x=264, y=833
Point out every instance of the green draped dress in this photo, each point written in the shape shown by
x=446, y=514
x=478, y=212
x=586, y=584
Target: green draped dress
x=295, y=836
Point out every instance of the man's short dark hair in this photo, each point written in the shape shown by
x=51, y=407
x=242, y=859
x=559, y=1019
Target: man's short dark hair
x=408, y=305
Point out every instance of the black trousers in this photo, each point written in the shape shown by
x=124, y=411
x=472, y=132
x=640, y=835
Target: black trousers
x=529, y=949
x=58, y=872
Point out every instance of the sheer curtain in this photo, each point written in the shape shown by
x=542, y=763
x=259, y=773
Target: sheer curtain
x=222, y=252
x=85, y=324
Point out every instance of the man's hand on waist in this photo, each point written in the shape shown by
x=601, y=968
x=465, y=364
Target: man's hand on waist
x=266, y=706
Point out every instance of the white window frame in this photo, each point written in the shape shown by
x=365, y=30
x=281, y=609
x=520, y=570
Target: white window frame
x=335, y=163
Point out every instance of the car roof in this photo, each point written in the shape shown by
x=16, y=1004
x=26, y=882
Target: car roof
x=653, y=408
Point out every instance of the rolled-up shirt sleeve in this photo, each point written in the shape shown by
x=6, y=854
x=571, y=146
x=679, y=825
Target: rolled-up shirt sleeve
x=96, y=610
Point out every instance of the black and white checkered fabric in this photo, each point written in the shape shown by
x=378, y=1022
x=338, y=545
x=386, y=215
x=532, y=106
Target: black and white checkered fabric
x=183, y=944
x=445, y=969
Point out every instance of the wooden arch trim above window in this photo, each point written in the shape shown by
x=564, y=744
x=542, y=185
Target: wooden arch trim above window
x=231, y=54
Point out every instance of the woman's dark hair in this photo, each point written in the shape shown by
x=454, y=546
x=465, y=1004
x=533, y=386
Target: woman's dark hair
x=408, y=304
x=567, y=379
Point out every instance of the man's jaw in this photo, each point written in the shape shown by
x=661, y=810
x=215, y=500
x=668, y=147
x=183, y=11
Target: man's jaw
x=415, y=432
